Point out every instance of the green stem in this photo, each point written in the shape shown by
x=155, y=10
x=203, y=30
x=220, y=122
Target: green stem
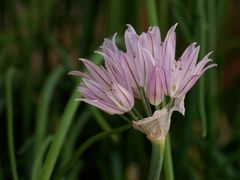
x=43, y=107
x=137, y=113
x=213, y=81
x=152, y=12
x=156, y=159
x=102, y=122
x=170, y=104
x=132, y=115
x=163, y=10
x=145, y=102
x=59, y=137
x=85, y=145
x=10, y=125
x=39, y=157
x=203, y=43
x=168, y=166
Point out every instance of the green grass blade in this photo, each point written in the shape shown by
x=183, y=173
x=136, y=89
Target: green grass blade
x=43, y=107
x=181, y=19
x=116, y=166
x=164, y=12
x=84, y=147
x=203, y=42
x=152, y=12
x=39, y=158
x=73, y=136
x=10, y=123
x=102, y=122
x=59, y=137
x=213, y=82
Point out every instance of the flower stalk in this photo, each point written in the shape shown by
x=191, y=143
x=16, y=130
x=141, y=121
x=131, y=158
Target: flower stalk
x=156, y=159
x=146, y=104
x=168, y=165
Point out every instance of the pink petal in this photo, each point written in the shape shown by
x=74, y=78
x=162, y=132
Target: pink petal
x=186, y=85
x=131, y=41
x=154, y=90
x=168, y=58
x=94, y=91
x=189, y=57
x=150, y=63
x=208, y=67
x=110, y=44
x=78, y=73
x=103, y=106
x=130, y=71
x=166, y=81
x=124, y=96
x=155, y=38
x=96, y=72
x=178, y=105
x=186, y=63
x=200, y=66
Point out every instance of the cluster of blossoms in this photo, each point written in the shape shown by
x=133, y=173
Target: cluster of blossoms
x=148, y=71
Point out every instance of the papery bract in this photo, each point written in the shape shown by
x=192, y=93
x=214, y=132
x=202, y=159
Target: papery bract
x=155, y=127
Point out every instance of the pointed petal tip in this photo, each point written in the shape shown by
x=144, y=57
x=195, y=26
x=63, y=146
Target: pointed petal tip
x=77, y=99
x=98, y=52
x=174, y=26
x=128, y=25
x=114, y=35
x=194, y=45
x=72, y=73
x=208, y=54
x=211, y=52
x=214, y=65
x=78, y=73
x=130, y=28
x=82, y=59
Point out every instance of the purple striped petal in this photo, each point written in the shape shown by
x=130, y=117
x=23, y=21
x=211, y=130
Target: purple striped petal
x=96, y=72
x=108, y=108
x=154, y=89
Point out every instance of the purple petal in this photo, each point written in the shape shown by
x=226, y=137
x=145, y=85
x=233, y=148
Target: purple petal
x=131, y=41
x=166, y=81
x=155, y=38
x=186, y=85
x=103, y=106
x=124, y=96
x=178, y=105
x=130, y=71
x=94, y=89
x=152, y=41
x=78, y=73
x=110, y=44
x=154, y=90
x=189, y=57
x=200, y=66
x=96, y=72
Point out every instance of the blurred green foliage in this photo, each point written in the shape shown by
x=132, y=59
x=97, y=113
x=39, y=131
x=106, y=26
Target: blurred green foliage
x=40, y=41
